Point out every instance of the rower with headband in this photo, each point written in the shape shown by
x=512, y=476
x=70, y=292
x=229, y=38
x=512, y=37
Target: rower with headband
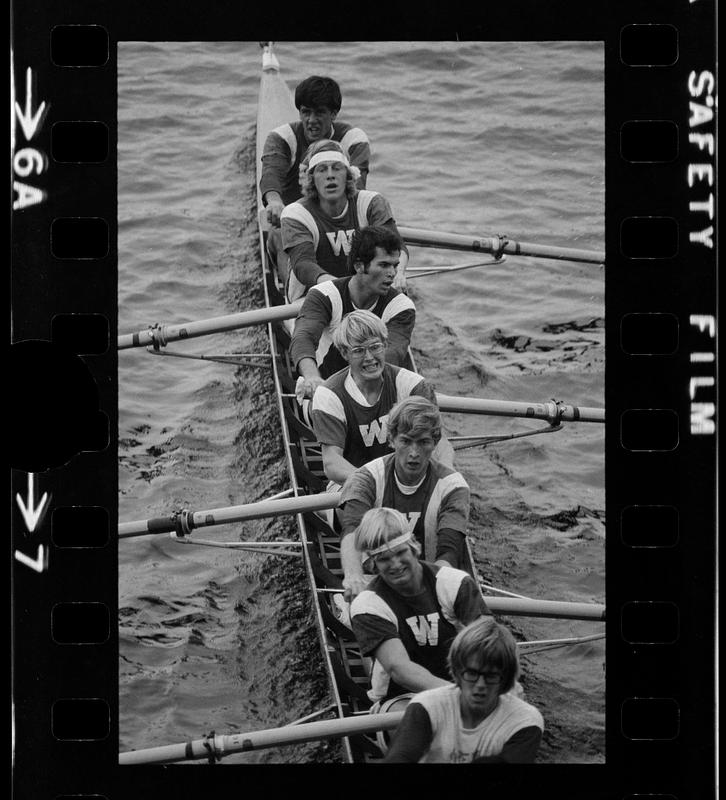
x=410, y=611
x=324, y=156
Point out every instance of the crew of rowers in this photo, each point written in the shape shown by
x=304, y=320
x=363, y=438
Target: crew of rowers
x=404, y=508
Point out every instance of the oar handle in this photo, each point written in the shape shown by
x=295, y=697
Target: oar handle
x=159, y=335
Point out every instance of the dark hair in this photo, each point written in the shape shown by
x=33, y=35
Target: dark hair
x=364, y=242
x=318, y=91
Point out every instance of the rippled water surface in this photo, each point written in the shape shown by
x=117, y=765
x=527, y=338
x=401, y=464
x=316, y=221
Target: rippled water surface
x=467, y=137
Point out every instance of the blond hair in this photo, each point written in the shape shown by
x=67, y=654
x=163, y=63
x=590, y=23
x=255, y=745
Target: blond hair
x=356, y=327
x=381, y=525
x=307, y=184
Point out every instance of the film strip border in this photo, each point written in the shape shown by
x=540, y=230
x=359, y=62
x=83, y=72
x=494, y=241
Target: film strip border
x=661, y=399
x=64, y=481
x=660, y=396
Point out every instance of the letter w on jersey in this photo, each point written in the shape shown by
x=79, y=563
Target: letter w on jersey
x=425, y=629
x=376, y=431
x=340, y=240
x=412, y=517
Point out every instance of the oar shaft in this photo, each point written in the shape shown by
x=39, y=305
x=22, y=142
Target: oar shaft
x=555, y=609
x=258, y=740
x=203, y=327
x=511, y=408
x=220, y=516
x=492, y=244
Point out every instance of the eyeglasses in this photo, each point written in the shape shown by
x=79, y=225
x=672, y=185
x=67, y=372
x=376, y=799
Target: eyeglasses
x=473, y=675
x=373, y=349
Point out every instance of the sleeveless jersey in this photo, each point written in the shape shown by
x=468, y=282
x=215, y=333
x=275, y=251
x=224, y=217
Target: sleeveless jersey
x=322, y=311
x=342, y=416
x=441, y=501
x=452, y=743
x=425, y=623
x=285, y=147
x=317, y=242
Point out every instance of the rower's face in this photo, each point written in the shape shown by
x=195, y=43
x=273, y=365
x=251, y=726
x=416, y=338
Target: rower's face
x=397, y=567
x=378, y=278
x=330, y=178
x=480, y=686
x=316, y=122
x=367, y=359
x=412, y=455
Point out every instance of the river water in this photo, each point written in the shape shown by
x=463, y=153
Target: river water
x=467, y=137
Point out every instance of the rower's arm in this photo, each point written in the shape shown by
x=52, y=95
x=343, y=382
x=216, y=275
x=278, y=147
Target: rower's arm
x=359, y=154
x=304, y=262
x=399, y=282
x=412, y=737
x=357, y=496
x=520, y=748
x=308, y=370
x=336, y=467
x=275, y=166
x=274, y=205
x=400, y=328
x=310, y=323
x=412, y=676
x=297, y=242
x=451, y=523
x=354, y=579
x=444, y=452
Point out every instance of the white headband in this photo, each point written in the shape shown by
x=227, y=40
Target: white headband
x=392, y=544
x=327, y=155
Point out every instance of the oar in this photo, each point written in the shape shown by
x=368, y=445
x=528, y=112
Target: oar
x=424, y=272
x=159, y=335
x=552, y=410
x=553, y=609
x=185, y=521
x=539, y=646
x=497, y=245
x=216, y=747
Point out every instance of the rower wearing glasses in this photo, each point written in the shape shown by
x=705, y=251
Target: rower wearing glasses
x=350, y=409
x=411, y=610
x=375, y=256
x=317, y=230
x=478, y=718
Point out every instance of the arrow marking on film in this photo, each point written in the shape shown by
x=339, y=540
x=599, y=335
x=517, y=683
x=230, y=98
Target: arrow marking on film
x=39, y=563
x=31, y=514
x=29, y=121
